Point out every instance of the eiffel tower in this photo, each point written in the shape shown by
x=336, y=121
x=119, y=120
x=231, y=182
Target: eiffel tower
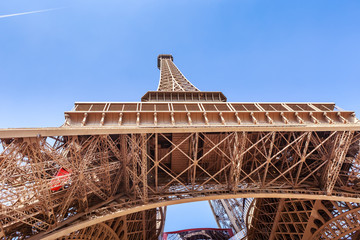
x=268, y=170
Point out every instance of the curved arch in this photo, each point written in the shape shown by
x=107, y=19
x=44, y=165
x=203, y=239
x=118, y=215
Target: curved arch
x=92, y=232
x=223, y=177
x=162, y=221
x=334, y=222
x=93, y=219
x=249, y=214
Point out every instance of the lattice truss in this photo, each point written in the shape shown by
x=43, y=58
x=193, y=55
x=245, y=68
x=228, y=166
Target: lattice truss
x=139, y=225
x=291, y=218
x=231, y=213
x=111, y=163
x=171, y=79
x=133, y=169
x=303, y=219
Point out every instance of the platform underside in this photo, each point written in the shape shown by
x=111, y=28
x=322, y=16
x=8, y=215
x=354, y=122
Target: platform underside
x=112, y=175
x=109, y=171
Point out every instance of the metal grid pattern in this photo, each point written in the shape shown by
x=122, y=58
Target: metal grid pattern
x=135, y=226
x=303, y=219
x=231, y=213
x=150, y=168
x=113, y=162
x=171, y=79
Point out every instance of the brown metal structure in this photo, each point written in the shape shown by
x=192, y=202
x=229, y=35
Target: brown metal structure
x=121, y=161
x=231, y=213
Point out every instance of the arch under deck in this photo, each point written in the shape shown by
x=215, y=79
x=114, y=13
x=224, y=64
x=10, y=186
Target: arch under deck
x=93, y=219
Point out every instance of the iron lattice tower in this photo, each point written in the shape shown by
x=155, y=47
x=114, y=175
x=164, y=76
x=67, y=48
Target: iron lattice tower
x=110, y=171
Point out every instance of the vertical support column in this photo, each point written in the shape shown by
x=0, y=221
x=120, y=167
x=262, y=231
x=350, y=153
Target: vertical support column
x=268, y=156
x=230, y=214
x=237, y=159
x=143, y=170
x=81, y=157
x=195, y=149
x=104, y=148
x=124, y=153
x=156, y=162
x=341, y=145
x=132, y=166
x=138, y=166
x=303, y=157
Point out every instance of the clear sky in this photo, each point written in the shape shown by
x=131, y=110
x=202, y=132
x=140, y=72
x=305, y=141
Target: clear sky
x=105, y=50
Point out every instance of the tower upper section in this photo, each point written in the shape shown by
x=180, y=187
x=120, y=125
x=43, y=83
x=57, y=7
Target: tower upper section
x=179, y=104
x=174, y=87
x=171, y=79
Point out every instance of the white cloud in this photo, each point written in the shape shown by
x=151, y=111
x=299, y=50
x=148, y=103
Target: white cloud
x=25, y=13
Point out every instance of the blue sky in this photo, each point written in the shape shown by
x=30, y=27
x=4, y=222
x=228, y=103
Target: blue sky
x=252, y=50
